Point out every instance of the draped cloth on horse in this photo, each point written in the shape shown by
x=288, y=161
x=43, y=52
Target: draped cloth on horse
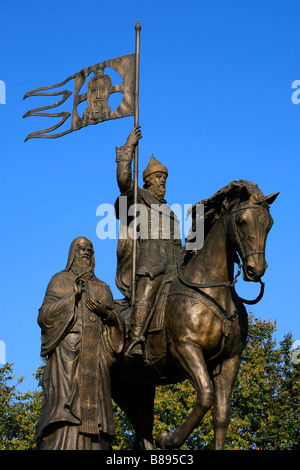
x=156, y=345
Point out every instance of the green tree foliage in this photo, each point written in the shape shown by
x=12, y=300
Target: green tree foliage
x=19, y=412
x=264, y=404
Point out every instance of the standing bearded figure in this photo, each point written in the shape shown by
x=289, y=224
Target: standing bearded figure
x=159, y=246
x=81, y=337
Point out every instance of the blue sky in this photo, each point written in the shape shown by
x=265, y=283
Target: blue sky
x=215, y=106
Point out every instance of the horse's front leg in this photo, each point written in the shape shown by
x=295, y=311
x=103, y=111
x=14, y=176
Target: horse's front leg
x=223, y=381
x=137, y=401
x=189, y=356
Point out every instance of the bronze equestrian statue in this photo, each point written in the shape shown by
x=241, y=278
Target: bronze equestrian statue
x=198, y=326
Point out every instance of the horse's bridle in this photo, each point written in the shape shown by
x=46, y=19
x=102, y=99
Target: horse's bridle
x=243, y=255
x=195, y=285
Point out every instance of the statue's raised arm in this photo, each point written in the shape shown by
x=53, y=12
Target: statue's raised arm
x=124, y=159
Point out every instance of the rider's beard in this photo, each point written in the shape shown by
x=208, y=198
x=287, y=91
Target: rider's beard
x=158, y=189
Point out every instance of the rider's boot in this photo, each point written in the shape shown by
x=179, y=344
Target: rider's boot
x=137, y=338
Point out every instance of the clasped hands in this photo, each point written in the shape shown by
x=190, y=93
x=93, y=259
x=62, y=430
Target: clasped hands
x=95, y=306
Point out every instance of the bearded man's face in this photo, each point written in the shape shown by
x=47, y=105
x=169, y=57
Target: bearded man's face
x=83, y=262
x=156, y=183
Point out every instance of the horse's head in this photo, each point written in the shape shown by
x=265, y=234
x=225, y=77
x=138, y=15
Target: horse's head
x=244, y=210
x=250, y=222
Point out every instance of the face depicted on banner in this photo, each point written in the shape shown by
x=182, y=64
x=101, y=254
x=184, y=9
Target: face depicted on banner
x=98, y=91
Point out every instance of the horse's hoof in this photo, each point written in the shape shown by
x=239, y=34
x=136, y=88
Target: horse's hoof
x=164, y=440
x=148, y=445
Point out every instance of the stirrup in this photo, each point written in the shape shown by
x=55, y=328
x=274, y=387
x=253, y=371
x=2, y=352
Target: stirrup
x=133, y=344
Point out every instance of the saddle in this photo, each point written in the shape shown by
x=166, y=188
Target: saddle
x=155, y=344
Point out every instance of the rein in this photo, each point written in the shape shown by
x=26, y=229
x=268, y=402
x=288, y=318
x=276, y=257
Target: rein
x=258, y=298
x=262, y=289
x=244, y=256
x=213, y=284
x=195, y=285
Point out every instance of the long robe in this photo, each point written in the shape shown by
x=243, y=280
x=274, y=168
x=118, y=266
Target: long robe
x=71, y=360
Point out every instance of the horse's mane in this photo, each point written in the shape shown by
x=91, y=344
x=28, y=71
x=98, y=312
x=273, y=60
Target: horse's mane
x=238, y=190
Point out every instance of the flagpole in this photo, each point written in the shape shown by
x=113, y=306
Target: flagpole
x=136, y=160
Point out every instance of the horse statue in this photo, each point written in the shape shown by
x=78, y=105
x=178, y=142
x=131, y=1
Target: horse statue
x=202, y=326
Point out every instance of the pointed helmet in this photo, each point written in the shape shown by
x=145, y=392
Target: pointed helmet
x=153, y=167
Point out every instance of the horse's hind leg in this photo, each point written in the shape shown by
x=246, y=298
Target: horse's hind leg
x=223, y=382
x=190, y=358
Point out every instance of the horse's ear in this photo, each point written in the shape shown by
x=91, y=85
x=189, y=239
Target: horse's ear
x=271, y=198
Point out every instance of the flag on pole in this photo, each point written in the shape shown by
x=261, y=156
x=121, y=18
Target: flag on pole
x=99, y=89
